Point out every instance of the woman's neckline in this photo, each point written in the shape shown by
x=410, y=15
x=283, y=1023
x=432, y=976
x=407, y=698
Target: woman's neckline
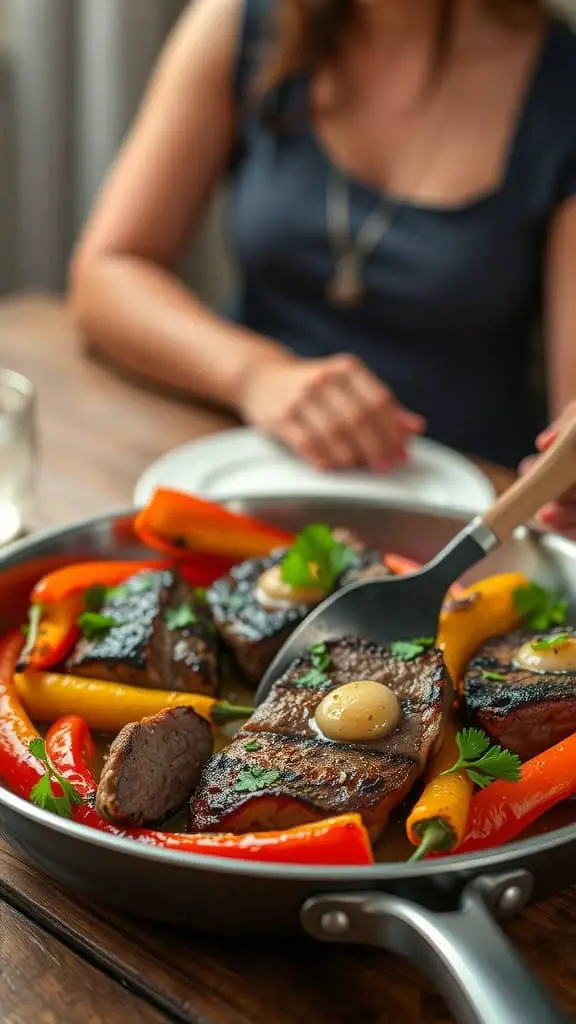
x=516, y=133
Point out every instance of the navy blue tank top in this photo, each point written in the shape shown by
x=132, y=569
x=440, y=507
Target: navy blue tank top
x=452, y=296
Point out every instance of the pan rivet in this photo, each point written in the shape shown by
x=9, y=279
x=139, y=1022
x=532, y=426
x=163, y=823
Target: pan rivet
x=335, y=922
x=511, y=899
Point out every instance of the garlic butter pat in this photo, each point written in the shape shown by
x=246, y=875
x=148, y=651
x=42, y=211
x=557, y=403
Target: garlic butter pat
x=272, y=592
x=555, y=653
x=360, y=711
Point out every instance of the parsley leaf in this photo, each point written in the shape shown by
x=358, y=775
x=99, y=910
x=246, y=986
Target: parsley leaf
x=320, y=656
x=494, y=677
x=179, y=618
x=548, y=643
x=540, y=608
x=482, y=762
x=407, y=650
x=316, y=558
x=42, y=794
x=311, y=680
x=95, y=597
x=252, y=779
x=252, y=745
x=94, y=625
x=200, y=594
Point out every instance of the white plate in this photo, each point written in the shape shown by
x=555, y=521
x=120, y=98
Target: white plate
x=244, y=462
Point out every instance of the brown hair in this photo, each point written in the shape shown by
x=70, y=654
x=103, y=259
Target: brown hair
x=308, y=33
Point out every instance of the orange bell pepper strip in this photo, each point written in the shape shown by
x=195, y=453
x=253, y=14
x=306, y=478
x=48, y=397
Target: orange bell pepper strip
x=72, y=579
x=52, y=632
x=19, y=769
x=334, y=841
x=179, y=524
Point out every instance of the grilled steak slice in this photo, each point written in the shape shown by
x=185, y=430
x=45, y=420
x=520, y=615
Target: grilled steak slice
x=255, y=633
x=153, y=767
x=151, y=646
x=527, y=711
x=280, y=772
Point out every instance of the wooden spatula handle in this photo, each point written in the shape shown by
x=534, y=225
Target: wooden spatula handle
x=553, y=473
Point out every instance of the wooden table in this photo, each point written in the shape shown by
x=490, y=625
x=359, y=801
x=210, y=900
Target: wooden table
x=62, y=962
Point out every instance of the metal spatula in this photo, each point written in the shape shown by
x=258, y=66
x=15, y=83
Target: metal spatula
x=405, y=607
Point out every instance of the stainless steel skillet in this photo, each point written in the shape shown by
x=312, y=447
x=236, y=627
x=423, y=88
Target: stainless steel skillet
x=438, y=914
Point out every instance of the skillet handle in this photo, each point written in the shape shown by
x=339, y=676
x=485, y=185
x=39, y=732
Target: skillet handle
x=464, y=952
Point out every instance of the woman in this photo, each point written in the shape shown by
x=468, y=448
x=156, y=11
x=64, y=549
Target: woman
x=402, y=197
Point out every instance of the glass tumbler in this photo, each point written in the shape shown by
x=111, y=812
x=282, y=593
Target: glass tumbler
x=17, y=453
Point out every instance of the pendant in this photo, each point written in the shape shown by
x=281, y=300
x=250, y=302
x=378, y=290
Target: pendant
x=345, y=288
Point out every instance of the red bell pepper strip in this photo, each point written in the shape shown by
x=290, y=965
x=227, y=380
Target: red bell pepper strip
x=52, y=633
x=178, y=524
x=503, y=810
x=19, y=769
x=72, y=579
x=334, y=841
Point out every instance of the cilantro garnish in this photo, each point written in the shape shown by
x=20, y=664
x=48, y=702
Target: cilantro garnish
x=311, y=680
x=548, y=643
x=407, y=650
x=252, y=745
x=43, y=795
x=252, y=779
x=494, y=677
x=317, y=675
x=316, y=559
x=482, y=762
x=94, y=624
x=179, y=618
x=540, y=608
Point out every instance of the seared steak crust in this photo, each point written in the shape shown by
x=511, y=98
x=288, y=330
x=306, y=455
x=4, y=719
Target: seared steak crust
x=311, y=777
x=142, y=650
x=528, y=711
x=254, y=633
x=153, y=767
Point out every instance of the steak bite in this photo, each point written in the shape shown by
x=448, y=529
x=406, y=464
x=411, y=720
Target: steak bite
x=163, y=637
x=523, y=710
x=153, y=767
x=281, y=771
x=255, y=627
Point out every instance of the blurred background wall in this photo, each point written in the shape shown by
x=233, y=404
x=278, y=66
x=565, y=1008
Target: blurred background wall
x=71, y=77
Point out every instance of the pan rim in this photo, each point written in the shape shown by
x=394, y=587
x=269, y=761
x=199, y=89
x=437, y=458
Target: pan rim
x=454, y=865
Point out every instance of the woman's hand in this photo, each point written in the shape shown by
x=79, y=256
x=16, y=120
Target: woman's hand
x=333, y=412
x=558, y=515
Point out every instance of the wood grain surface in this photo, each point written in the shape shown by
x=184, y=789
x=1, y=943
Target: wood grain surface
x=62, y=961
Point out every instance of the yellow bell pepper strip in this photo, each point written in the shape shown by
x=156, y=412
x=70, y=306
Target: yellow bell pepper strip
x=486, y=609
x=52, y=633
x=72, y=579
x=438, y=820
x=180, y=524
x=107, y=707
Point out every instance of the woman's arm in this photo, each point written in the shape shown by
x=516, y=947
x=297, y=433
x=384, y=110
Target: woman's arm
x=125, y=294
x=561, y=351
x=129, y=303
x=561, y=306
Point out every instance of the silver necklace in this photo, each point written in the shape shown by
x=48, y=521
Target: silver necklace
x=345, y=287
